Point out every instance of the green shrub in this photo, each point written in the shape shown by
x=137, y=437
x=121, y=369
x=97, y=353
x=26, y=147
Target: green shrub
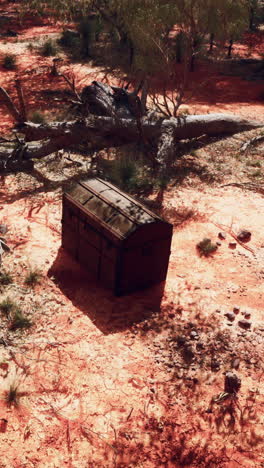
x=123, y=172
x=9, y=62
x=12, y=396
x=37, y=117
x=5, y=278
x=33, y=278
x=206, y=247
x=19, y=321
x=49, y=48
x=7, y=306
x=69, y=38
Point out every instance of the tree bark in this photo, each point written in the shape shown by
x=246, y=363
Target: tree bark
x=111, y=123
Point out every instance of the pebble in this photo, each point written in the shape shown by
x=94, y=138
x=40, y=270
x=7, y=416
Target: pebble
x=222, y=235
x=194, y=335
x=218, y=243
x=244, y=324
x=244, y=235
x=232, y=245
x=230, y=316
x=215, y=365
x=236, y=309
x=235, y=363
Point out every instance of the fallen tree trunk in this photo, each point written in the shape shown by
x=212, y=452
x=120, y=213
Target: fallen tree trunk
x=111, y=118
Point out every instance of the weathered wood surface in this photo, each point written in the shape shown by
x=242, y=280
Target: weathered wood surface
x=112, y=117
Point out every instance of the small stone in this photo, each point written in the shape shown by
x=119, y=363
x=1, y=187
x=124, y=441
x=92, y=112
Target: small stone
x=247, y=315
x=4, y=366
x=232, y=383
x=181, y=340
x=244, y=324
x=235, y=363
x=3, y=228
x=232, y=245
x=222, y=235
x=218, y=243
x=236, y=309
x=230, y=316
x=199, y=346
x=193, y=335
x=244, y=235
x=188, y=353
x=215, y=365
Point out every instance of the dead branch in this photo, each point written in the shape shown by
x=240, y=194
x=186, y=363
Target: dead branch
x=9, y=104
x=253, y=142
x=112, y=120
x=21, y=99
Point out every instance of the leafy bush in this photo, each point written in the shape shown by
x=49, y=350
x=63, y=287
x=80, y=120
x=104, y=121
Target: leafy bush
x=5, y=278
x=49, y=48
x=19, y=321
x=206, y=247
x=33, y=278
x=9, y=62
x=37, y=117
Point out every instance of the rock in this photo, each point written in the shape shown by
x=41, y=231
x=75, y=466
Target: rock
x=218, y=243
x=181, y=340
x=194, y=335
x=247, y=315
x=236, y=309
x=230, y=316
x=232, y=383
x=244, y=235
x=222, y=235
x=199, y=346
x=235, y=363
x=3, y=229
x=3, y=424
x=244, y=324
x=232, y=245
x=188, y=353
x=4, y=366
x=215, y=365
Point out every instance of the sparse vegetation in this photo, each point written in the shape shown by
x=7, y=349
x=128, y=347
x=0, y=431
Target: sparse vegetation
x=254, y=163
x=257, y=173
x=33, y=278
x=7, y=307
x=49, y=48
x=68, y=38
x=5, y=278
x=9, y=62
x=37, y=117
x=19, y=321
x=12, y=396
x=206, y=247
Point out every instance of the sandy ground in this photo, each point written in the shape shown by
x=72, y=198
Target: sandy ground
x=128, y=382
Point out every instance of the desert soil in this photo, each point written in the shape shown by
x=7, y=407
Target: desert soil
x=130, y=382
